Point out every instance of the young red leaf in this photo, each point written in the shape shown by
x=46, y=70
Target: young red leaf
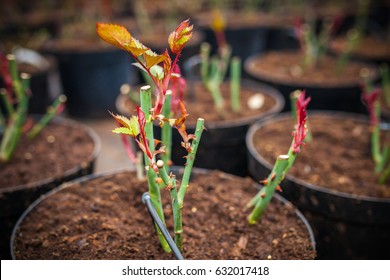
x=178, y=87
x=372, y=99
x=179, y=124
x=300, y=127
x=143, y=141
x=178, y=38
x=120, y=37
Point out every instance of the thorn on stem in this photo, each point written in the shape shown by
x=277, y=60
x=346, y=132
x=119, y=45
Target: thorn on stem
x=264, y=182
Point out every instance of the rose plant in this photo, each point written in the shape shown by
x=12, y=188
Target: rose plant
x=13, y=112
x=140, y=126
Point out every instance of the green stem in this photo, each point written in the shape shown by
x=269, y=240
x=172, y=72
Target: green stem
x=2, y=123
x=166, y=133
x=190, y=160
x=385, y=175
x=223, y=65
x=170, y=183
x=266, y=193
x=50, y=114
x=205, y=61
x=154, y=188
x=13, y=68
x=375, y=147
x=235, y=79
x=279, y=171
x=213, y=86
x=13, y=130
x=7, y=102
x=385, y=158
x=375, y=139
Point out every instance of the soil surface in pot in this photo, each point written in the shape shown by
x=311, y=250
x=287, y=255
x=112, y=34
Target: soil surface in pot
x=339, y=157
x=104, y=218
x=199, y=104
x=57, y=149
x=286, y=68
x=369, y=48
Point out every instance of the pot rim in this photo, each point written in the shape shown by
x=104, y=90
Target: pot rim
x=65, y=185
x=245, y=83
x=269, y=78
x=330, y=114
x=67, y=122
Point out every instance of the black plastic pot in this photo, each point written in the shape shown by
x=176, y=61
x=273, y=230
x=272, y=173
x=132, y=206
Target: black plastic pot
x=177, y=170
x=346, y=226
x=91, y=79
x=15, y=200
x=342, y=97
x=281, y=38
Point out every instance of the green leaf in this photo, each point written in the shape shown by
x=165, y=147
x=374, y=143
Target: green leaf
x=157, y=71
x=152, y=58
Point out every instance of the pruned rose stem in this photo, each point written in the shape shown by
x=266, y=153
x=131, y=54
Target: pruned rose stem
x=262, y=199
x=15, y=101
x=177, y=196
x=51, y=112
x=282, y=165
x=170, y=183
x=235, y=78
x=190, y=160
x=166, y=130
x=154, y=188
x=213, y=71
x=205, y=63
x=213, y=84
x=380, y=156
x=13, y=130
x=5, y=99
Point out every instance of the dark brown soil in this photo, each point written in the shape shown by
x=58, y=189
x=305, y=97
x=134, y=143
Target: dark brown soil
x=338, y=158
x=105, y=219
x=57, y=149
x=369, y=48
x=200, y=104
x=286, y=68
